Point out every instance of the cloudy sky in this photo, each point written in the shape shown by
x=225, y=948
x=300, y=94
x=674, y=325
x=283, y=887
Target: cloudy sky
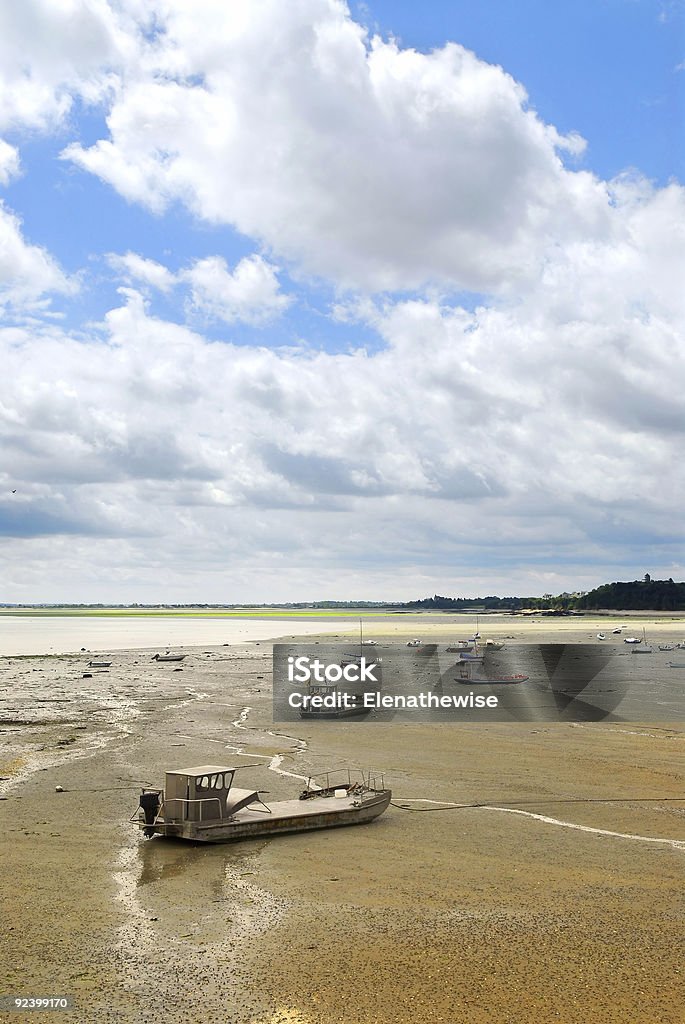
x=301, y=300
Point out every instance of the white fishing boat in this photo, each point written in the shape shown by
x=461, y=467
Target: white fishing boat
x=494, y=645
x=328, y=700
x=601, y=636
x=202, y=804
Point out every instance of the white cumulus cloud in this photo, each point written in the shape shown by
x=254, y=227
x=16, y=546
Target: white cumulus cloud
x=373, y=166
x=54, y=50
x=27, y=272
x=251, y=293
x=475, y=448
x=138, y=268
x=9, y=162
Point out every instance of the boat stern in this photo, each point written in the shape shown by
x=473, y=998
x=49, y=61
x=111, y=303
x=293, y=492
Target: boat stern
x=149, y=804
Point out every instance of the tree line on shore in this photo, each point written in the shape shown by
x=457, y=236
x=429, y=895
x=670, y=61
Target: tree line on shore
x=638, y=595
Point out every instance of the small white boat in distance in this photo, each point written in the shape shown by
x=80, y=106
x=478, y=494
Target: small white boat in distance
x=617, y=630
x=642, y=647
x=601, y=636
x=632, y=639
x=414, y=643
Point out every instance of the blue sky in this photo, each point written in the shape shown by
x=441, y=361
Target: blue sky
x=340, y=302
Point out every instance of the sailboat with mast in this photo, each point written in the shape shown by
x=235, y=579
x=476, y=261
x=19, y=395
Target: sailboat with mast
x=334, y=700
x=642, y=647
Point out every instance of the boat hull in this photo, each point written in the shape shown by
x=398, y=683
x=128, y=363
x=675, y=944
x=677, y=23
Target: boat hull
x=501, y=680
x=287, y=816
x=314, y=713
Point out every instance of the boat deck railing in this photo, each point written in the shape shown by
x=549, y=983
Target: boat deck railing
x=369, y=780
x=162, y=815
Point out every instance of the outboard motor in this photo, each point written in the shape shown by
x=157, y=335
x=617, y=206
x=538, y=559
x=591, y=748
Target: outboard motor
x=150, y=801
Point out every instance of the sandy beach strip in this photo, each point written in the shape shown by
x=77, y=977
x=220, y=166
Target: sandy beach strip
x=568, y=910
x=54, y=633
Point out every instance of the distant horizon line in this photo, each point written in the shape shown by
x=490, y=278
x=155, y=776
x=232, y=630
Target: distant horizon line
x=437, y=602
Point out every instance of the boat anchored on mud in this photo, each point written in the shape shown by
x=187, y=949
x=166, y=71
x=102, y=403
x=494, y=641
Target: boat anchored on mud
x=327, y=700
x=203, y=805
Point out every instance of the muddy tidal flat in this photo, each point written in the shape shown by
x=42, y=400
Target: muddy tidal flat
x=559, y=898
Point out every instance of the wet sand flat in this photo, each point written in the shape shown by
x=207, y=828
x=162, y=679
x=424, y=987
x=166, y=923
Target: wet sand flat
x=559, y=899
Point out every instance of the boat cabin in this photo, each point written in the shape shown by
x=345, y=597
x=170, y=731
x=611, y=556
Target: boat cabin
x=204, y=793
